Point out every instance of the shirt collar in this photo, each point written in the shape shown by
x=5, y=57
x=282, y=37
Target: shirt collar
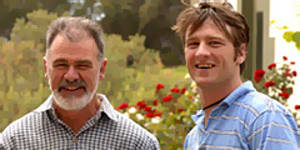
x=243, y=89
x=246, y=87
x=105, y=107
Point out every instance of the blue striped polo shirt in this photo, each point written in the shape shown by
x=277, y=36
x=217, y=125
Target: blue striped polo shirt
x=245, y=120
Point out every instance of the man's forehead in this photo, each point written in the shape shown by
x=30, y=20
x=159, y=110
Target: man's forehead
x=75, y=35
x=64, y=48
x=77, y=61
x=193, y=28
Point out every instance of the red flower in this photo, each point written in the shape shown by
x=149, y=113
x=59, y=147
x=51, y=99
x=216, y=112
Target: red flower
x=157, y=114
x=141, y=104
x=293, y=63
x=167, y=98
x=284, y=95
x=123, y=106
x=155, y=102
x=297, y=107
x=269, y=83
x=180, y=109
x=283, y=89
x=294, y=73
x=258, y=74
x=175, y=90
x=273, y=65
x=159, y=86
x=150, y=115
x=284, y=58
x=183, y=90
x=148, y=108
x=287, y=73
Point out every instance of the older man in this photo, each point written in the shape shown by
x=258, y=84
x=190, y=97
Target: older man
x=74, y=116
x=234, y=115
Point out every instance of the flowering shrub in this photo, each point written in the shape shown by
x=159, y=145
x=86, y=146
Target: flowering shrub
x=168, y=114
x=277, y=81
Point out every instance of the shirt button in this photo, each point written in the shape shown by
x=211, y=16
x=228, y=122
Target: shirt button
x=75, y=139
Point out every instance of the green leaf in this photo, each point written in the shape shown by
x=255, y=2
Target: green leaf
x=288, y=36
x=296, y=39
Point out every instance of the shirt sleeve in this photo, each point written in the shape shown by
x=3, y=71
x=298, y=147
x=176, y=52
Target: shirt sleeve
x=1, y=142
x=154, y=145
x=148, y=142
x=274, y=130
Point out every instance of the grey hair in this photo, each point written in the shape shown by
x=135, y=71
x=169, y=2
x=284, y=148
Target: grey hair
x=82, y=26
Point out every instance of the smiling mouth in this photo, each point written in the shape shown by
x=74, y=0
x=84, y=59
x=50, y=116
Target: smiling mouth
x=206, y=66
x=71, y=89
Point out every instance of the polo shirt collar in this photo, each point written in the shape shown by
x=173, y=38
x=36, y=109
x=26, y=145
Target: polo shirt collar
x=242, y=90
x=246, y=87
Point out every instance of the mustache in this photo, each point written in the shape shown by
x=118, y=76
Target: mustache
x=76, y=83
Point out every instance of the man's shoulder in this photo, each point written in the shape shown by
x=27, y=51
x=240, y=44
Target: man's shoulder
x=255, y=105
x=27, y=123
x=1, y=142
x=259, y=103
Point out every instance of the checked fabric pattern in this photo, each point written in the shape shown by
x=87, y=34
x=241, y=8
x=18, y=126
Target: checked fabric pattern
x=107, y=130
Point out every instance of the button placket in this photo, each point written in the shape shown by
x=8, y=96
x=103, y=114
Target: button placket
x=75, y=140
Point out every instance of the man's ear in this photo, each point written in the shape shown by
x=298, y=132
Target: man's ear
x=45, y=67
x=102, y=69
x=242, y=53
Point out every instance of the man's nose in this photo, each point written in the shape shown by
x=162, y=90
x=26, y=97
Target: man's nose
x=203, y=50
x=71, y=75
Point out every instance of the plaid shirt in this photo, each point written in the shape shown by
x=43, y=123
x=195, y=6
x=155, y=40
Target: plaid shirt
x=107, y=130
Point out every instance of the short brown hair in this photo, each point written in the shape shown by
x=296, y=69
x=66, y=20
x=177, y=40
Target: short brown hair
x=223, y=15
x=64, y=25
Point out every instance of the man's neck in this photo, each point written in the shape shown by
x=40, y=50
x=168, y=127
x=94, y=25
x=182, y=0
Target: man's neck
x=76, y=119
x=210, y=95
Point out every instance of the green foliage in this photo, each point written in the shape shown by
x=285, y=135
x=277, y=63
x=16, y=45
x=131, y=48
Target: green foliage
x=21, y=80
x=12, y=9
x=151, y=18
x=34, y=28
x=125, y=83
x=288, y=36
x=22, y=83
x=145, y=17
x=293, y=36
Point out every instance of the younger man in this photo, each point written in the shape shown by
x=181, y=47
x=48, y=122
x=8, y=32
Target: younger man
x=234, y=115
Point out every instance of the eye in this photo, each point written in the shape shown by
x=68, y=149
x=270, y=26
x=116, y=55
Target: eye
x=83, y=66
x=61, y=66
x=192, y=45
x=215, y=43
